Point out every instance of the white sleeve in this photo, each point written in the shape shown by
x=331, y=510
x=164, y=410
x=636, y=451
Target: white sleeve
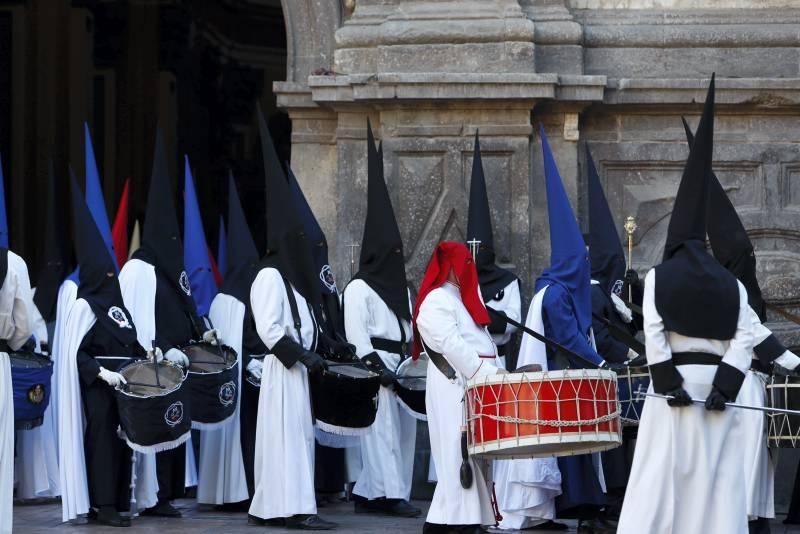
x=357, y=318
x=760, y=332
x=438, y=327
x=266, y=299
x=740, y=349
x=20, y=314
x=655, y=337
x=513, y=306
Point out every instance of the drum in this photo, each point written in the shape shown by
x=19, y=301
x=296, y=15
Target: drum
x=344, y=399
x=543, y=414
x=213, y=383
x=30, y=380
x=153, y=406
x=783, y=392
x=410, y=386
x=632, y=381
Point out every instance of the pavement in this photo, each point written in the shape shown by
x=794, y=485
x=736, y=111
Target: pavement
x=200, y=519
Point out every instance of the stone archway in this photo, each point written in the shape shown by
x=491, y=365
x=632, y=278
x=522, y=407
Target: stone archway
x=310, y=30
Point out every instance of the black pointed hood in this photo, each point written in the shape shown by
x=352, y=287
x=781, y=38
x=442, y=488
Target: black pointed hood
x=382, y=264
x=694, y=294
x=491, y=277
x=161, y=239
x=288, y=248
x=56, y=261
x=241, y=253
x=605, y=249
x=729, y=240
x=98, y=282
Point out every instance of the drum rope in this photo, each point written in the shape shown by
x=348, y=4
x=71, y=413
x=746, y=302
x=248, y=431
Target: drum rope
x=554, y=423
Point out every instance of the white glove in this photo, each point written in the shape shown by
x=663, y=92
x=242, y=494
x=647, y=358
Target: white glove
x=210, y=336
x=788, y=360
x=632, y=354
x=176, y=356
x=255, y=367
x=111, y=378
x=622, y=309
x=156, y=355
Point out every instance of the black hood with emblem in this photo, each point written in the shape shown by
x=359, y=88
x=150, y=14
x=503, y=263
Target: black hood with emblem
x=99, y=285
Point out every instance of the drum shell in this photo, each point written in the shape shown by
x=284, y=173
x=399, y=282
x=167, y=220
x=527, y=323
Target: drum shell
x=629, y=382
x=153, y=421
x=344, y=401
x=413, y=398
x=213, y=395
x=31, y=388
x=783, y=392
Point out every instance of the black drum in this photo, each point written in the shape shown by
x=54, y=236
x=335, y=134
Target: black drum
x=30, y=379
x=153, y=407
x=410, y=386
x=213, y=383
x=783, y=392
x=344, y=398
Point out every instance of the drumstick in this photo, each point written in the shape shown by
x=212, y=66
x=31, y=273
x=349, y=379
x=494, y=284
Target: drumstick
x=765, y=409
x=155, y=365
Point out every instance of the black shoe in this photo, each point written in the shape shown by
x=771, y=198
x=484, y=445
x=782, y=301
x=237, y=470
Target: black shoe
x=549, y=525
x=309, y=522
x=595, y=526
x=402, y=508
x=255, y=521
x=163, y=509
x=362, y=507
x=108, y=515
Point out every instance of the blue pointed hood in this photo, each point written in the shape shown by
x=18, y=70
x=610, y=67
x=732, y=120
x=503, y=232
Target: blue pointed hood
x=3, y=216
x=569, y=261
x=605, y=249
x=94, y=195
x=195, y=248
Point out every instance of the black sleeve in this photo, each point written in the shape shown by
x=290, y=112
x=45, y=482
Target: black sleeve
x=88, y=368
x=499, y=321
x=288, y=351
x=609, y=347
x=768, y=350
x=728, y=380
x=665, y=377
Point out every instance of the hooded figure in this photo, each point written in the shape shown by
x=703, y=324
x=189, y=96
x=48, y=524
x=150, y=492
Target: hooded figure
x=15, y=329
x=283, y=298
x=158, y=294
x=100, y=338
x=195, y=248
x=450, y=322
x=381, y=332
x=3, y=214
x=499, y=287
x=687, y=473
x=227, y=453
x=608, y=273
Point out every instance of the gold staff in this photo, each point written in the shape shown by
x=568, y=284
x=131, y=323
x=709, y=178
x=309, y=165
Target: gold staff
x=630, y=228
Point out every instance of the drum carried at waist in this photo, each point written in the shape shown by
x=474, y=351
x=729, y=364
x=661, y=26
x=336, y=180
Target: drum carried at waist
x=631, y=381
x=212, y=383
x=31, y=374
x=783, y=392
x=344, y=399
x=411, y=385
x=153, y=406
x=543, y=414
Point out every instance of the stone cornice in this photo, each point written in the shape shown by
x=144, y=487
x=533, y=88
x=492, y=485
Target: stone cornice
x=757, y=92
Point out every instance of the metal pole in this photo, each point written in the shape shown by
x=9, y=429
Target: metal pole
x=765, y=409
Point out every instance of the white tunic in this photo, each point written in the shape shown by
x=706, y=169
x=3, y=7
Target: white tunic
x=387, y=450
x=688, y=473
x=221, y=477
x=510, y=304
x=15, y=327
x=527, y=489
x=284, y=462
x=447, y=328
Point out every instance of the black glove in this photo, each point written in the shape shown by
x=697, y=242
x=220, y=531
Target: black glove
x=716, y=400
x=313, y=362
x=639, y=361
x=499, y=321
x=340, y=349
x=632, y=278
x=779, y=370
x=388, y=378
x=612, y=366
x=679, y=397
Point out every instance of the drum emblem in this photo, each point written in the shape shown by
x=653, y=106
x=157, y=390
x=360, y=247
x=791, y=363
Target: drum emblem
x=174, y=414
x=326, y=276
x=118, y=316
x=227, y=393
x=184, y=281
x=617, y=288
x=36, y=394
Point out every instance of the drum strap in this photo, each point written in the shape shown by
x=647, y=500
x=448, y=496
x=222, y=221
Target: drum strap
x=440, y=362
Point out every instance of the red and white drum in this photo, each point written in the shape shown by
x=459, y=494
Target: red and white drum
x=543, y=414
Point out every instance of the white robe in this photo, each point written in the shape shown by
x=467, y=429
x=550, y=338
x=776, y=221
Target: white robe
x=688, y=472
x=284, y=462
x=447, y=328
x=510, y=304
x=527, y=489
x=221, y=477
x=15, y=327
x=387, y=450
x=37, y=453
